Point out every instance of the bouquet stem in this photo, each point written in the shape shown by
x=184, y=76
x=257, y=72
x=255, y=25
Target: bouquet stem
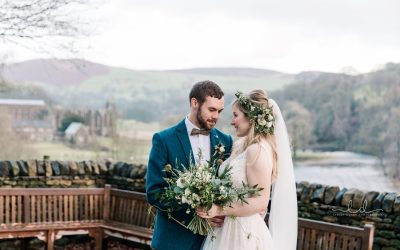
x=200, y=225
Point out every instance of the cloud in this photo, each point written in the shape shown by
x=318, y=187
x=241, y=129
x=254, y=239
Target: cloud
x=285, y=35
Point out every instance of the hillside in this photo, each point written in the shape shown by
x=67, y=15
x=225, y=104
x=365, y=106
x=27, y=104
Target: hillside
x=79, y=83
x=89, y=76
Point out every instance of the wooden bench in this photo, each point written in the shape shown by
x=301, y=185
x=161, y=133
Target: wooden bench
x=129, y=217
x=50, y=213
x=312, y=234
x=328, y=236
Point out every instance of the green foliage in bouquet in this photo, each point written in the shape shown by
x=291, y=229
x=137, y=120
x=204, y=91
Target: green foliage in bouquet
x=199, y=186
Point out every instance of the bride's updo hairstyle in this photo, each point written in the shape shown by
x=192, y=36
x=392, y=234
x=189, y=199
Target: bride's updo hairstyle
x=258, y=98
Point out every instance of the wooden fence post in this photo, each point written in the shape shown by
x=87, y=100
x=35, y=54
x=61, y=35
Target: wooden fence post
x=107, y=201
x=27, y=209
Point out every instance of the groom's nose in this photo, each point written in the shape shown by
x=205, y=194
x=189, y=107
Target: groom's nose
x=215, y=115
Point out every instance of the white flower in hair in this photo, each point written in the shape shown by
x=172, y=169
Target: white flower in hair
x=262, y=116
x=262, y=122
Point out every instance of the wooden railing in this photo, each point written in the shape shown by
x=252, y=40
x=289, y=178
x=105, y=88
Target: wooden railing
x=50, y=213
x=316, y=235
x=40, y=206
x=130, y=208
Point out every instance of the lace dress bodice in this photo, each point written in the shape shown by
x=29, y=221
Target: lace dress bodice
x=238, y=164
x=238, y=233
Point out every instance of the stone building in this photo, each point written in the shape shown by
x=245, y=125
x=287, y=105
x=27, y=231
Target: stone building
x=77, y=134
x=101, y=122
x=31, y=119
x=36, y=121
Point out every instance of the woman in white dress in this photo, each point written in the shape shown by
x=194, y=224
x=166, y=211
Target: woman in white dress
x=260, y=156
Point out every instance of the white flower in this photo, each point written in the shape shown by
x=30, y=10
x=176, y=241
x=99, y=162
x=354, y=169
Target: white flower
x=180, y=182
x=184, y=200
x=220, y=148
x=269, y=124
x=187, y=192
x=261, y=122
x=222, y=189
x=195, y=197
x=206, y=177
x=198, y=175
x=270, y=117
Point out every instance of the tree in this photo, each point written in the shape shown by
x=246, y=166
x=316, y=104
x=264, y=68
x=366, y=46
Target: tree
x=299, y=124
x=31, y=20
x=13, y=147
x=68, y=119
x=393, y=142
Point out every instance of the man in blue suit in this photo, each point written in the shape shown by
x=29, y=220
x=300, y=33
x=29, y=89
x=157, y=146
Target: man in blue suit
x=180, y=144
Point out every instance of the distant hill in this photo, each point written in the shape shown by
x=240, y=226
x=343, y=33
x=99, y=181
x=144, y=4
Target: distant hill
x=80, y=83
x=53, y=72
x=97, y=77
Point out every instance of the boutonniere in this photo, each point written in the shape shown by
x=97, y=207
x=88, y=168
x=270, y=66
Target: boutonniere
x=219, y=151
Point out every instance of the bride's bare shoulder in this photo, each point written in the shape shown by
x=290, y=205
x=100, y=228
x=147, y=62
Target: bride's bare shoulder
x=255, y=149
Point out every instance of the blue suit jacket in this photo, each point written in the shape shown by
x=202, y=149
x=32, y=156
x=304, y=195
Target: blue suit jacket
x=169, y=146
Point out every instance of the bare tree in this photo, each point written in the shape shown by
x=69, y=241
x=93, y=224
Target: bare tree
x=32, y=20
x=12, y=146
x=299, y=123
x=392, y=142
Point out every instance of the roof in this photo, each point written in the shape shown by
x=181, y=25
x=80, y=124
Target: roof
x=30, y=102
x=73, y=128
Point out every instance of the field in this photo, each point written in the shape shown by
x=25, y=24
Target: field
x=132, y=145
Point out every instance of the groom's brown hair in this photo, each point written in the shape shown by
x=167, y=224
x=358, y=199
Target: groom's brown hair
x=203, y=89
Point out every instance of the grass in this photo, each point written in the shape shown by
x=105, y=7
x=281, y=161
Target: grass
x=123, y=149
x=59, y=151
x=133, y=145
x=309, y=156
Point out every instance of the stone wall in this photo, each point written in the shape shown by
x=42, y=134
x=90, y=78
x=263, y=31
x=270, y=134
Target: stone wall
x=353, y=207
x=67, y=174
x=318, y=202
x=40, y=174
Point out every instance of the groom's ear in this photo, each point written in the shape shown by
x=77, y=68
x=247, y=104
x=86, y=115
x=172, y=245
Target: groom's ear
x=194, y=103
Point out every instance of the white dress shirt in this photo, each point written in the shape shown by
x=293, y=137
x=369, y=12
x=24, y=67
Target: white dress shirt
x=198, y=142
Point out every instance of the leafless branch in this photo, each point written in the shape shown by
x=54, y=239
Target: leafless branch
x=28, y=23
x=38, y=18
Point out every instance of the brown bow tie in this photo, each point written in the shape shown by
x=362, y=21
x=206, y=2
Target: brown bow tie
x=196, y=131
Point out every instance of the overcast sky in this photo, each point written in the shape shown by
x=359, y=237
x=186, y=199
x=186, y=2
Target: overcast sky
x=288, y=36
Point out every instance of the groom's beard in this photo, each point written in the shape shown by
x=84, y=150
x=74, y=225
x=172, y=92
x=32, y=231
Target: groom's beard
x=203, y=122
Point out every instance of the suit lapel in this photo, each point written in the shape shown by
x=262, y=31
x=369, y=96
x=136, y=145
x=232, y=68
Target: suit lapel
x=185, y=142
x=213, y=141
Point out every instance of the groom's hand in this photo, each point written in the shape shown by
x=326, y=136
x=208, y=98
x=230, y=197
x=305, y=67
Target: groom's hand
x=217, y=221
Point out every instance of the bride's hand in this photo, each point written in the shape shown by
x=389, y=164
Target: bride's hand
x=213, y=212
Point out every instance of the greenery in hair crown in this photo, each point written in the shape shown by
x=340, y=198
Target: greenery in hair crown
x=263, y=117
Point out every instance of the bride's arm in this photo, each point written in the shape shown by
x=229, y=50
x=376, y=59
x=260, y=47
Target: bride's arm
x=259, y=171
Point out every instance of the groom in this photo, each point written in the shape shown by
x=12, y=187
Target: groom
x=180, y=144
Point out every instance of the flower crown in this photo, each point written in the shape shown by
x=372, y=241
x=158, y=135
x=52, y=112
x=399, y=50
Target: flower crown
x=263, y=117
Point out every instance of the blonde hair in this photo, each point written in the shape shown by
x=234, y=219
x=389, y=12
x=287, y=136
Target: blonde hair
x=258, y=97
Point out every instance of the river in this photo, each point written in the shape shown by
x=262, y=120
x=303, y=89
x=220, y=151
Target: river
x=346, y=169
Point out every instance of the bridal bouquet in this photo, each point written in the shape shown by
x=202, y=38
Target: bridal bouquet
x=199, y=186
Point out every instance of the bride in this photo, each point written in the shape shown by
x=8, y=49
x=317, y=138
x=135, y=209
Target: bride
x=260, y=156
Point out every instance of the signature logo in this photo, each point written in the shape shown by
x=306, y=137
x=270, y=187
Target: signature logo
x=362, y=211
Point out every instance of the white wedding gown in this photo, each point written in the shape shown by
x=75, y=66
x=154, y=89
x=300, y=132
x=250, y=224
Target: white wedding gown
x=240, y=233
